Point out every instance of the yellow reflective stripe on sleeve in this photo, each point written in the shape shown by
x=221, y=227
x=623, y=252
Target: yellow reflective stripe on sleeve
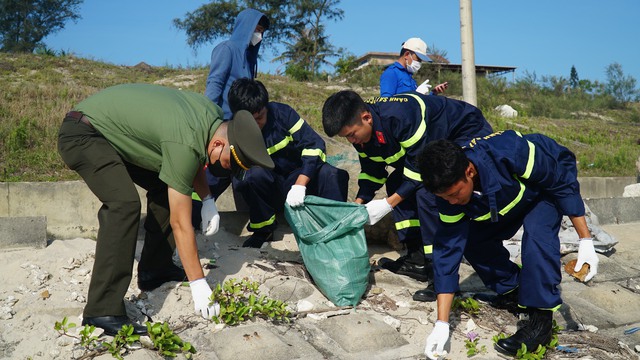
x=364, y=176
x=390, y=160
x=407, y=224
x=314, y=152
x=421, y=129
x=451, y=218
x=509, y=206
x=263, y=224
x=428, y=249
x=297, y=126
x=412, y=174
x=194, y=196
x=279, y=146
x=530, y=161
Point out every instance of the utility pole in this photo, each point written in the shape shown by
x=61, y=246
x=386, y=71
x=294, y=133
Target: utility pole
x=468, y=55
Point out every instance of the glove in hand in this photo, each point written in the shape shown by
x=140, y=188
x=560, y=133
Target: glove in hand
x=201, y=292
x=295, y=196
x=377, y=209
x=210, y=216
x=436, y=340
x=587, y=254
x=424, y=88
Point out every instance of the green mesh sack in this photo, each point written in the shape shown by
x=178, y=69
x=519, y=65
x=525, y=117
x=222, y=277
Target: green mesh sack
x=330, y=235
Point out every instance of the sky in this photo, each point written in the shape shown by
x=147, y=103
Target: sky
x=542, y=37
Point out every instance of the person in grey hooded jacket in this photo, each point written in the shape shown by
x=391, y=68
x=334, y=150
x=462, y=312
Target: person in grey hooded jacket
x=236, y=58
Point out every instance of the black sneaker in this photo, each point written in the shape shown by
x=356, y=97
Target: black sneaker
x=508, y=301
x=257, y=239
x=151, y=279
x=409, y=266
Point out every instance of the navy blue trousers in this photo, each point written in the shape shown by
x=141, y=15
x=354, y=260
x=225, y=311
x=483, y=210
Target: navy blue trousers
x=540, y=275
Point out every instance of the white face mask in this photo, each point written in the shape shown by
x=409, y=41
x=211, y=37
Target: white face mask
x=414, y=66
x=256, y=38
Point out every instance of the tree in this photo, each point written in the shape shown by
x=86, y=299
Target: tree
x=215, y=20
x=296, y=23
x=574, y=81
x=306, y=54
x=622, y=88
x=24, y=23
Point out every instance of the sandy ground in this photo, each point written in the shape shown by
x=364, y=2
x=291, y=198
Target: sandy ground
x=42, y=286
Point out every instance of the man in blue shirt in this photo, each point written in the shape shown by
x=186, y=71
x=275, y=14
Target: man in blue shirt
x=389, y=132
x=236, y=58
x=298, y=153
x=398, y=77
x=485, y=192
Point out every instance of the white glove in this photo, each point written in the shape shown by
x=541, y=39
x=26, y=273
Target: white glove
x=587, y=254
x=424, y=88
x=377, y=209
x=436, y=341
x=210, y=216
x=201, y=292
x=295, y=196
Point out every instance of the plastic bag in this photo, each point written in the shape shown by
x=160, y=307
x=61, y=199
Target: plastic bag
x=330, y=235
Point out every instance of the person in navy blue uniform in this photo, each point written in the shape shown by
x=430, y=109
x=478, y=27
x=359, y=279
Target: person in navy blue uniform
x=485, y=192
x=299, y=156
x=389, y=132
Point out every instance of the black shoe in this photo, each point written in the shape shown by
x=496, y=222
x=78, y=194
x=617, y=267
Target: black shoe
x=537, y=331
x=508, y=301
x=426, y=295
x=257, y=239
x=112, y=324
x=151, y=279
x=419, y=269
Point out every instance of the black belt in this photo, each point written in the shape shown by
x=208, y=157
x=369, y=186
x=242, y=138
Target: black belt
x=77, y=115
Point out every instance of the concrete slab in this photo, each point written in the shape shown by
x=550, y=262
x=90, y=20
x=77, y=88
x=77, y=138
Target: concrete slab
x=615, y=210
x=260, y=342
x=289, y=289
x=627, y=251
x=19, y=232
x=361, y=332
x=4, y=199
x=604, y=305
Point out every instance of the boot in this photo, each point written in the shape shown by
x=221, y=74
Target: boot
x=413, y=265
x=537, y=331
x=507, y=301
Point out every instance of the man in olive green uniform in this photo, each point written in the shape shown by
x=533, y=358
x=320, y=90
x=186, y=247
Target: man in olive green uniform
x=160, y=139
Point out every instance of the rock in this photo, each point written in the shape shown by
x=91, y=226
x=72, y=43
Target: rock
x=304, y=305
x=395, y=323
x=506, y=111
x=632, y=190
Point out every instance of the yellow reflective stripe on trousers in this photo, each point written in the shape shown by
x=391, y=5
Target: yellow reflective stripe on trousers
x=315, y=152
x=390, y=160
x=376, y=180
x=412, y=174
x=281, y=145
x=509, y=206
x=421, y=129
x=297, y=126
x=260, y=225
x=404, y=224
x=428, y=249
x=451, y=218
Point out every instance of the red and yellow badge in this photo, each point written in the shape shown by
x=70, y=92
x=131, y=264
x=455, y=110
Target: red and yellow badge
x=380, y=137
